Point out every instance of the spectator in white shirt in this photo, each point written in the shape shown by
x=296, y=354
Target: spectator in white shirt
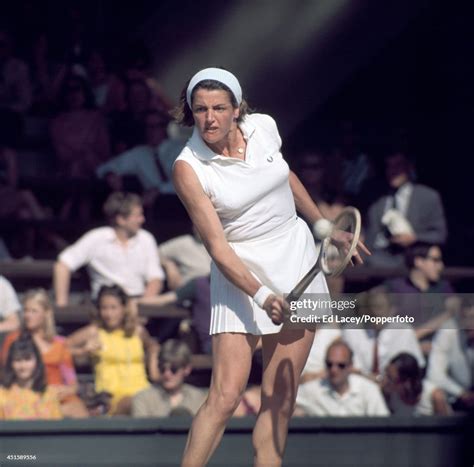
x=451, y=364
x=341, y=393
x=123, y=254
x=315, y=365
x=9, y=308
x=184, y=258
x=375, y=345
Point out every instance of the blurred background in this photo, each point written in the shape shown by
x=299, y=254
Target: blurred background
x=379, y=73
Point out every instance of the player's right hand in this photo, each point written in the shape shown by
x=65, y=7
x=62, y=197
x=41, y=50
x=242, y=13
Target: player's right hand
x=277, y=308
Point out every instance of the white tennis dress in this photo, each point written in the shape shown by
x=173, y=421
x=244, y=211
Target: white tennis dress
x=256, y=207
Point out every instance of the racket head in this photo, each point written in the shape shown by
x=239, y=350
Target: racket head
x=338, y=248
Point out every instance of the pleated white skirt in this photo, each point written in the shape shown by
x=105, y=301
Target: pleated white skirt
x=278, y=260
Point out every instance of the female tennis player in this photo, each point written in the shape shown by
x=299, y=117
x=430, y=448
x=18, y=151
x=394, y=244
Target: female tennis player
x=241, y=196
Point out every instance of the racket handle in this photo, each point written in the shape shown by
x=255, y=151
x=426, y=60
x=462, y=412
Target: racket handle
x=302, y=285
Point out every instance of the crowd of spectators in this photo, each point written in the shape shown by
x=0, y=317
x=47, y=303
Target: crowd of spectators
x=101, y=135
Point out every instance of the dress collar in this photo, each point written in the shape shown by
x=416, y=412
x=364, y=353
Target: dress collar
x=202, y=151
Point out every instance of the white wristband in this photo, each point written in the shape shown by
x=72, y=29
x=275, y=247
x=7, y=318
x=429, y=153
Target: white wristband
x=322, y=228
x=262, y=294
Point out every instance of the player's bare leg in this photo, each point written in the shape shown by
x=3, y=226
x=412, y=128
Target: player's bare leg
x=284, y=357
x=232, y=360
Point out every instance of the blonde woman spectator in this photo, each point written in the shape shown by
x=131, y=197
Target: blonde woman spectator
x=38, y=322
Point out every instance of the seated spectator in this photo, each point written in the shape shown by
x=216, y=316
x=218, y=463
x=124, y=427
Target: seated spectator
x=38, y=322
x=120, y=350
x=196, y=294
x=184, y=258
x=122, y=254
x=15, y=93
x=315, y=365
x=127, y=127
x=108, y=89
x=341, y=393
x=151, y=163
x=407, y=393
x=9, y=308
x=349, y=164
x=170, y=395
x=22, y=204
x=422, y=294
x=46, y=74
x=376, y=344
x=25, y=394
x=187, y=265
x=451, y=364
x=408, y=213
x=138, y=66
x=80, y=139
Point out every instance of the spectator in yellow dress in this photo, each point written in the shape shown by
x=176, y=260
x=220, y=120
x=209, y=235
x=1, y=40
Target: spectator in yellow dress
x=119, y=348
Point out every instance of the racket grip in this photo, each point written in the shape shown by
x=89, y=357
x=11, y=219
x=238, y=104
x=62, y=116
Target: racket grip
x=292, y=296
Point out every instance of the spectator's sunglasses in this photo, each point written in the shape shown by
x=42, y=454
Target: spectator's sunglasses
x=173, y=368
x=340, y=365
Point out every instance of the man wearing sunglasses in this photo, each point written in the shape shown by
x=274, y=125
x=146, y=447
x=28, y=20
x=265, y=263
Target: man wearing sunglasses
x=171, y=396
x=340, y=393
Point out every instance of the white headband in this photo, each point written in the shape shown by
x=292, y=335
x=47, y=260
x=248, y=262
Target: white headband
x=216, y=74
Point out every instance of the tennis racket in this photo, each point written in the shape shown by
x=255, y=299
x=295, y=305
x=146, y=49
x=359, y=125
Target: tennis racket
x=336, y=250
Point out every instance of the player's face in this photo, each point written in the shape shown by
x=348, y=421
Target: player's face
x=34, y=315
x=133, y=222
x=111, y=311
x=24, y=367
x=338, y=366
x=214, y=115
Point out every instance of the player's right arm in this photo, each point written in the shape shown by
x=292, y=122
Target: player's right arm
x=206, y=220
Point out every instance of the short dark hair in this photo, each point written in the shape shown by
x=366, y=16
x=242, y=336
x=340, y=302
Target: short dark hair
x=184, y=115
x=409, y=373
x=120, y=204
x=417, y=250
x=24, y=347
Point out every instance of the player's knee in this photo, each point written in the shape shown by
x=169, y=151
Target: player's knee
x=225, y=399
